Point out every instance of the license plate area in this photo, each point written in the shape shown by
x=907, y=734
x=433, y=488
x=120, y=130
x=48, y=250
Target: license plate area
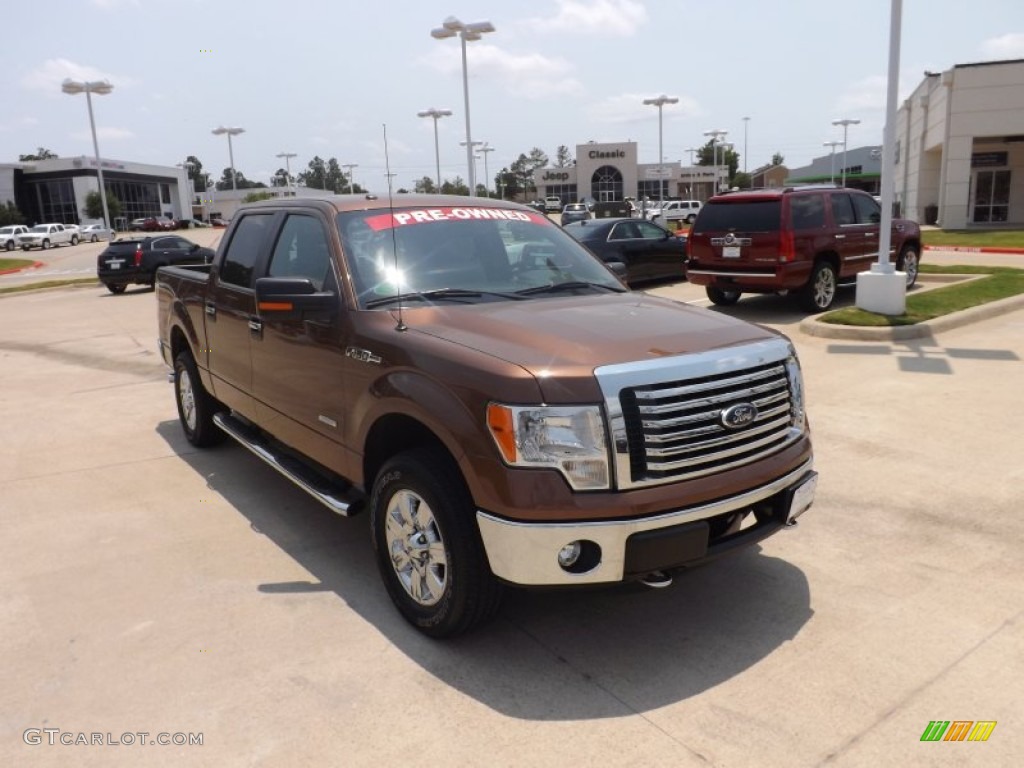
x=730, y=252
x=802, y=498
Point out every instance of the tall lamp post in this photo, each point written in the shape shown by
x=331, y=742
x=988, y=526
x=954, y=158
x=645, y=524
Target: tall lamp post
x=846, y=122
x=351, y=183
x=220, y=131
x=475, y=144
x=288, y=169
x=437, y=114
x=716, y=134
x=833, y=144
x=485, y=150
x=102, y=87
x=451, y=27
x=746, y=122
x=660, y=102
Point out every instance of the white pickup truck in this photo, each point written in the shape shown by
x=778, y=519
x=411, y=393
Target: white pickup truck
x=45, y=235
x=9, y=236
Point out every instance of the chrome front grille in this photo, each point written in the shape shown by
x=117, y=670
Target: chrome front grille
x=675, y=430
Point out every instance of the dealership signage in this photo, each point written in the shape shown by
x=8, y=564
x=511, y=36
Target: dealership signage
x=555, y=176
x=596, y=154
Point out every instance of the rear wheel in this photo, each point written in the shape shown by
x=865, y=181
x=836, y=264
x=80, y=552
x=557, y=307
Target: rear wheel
x=428, y=548
x=722, y=297
x=908, y=262
x=820, y=291
x=691, y=218
x=116, y=288
x=195, y=406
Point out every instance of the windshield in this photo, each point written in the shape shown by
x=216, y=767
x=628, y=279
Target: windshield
x=464, y=255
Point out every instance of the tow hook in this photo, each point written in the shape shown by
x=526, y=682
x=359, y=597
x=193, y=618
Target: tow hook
x=656, y=580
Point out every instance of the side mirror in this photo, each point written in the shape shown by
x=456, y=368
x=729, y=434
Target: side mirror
x=292, y=298
x=618, y=268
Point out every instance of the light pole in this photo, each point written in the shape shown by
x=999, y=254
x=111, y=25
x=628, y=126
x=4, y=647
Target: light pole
x=451, y=27
x=437, y=114
x=486, y=149
x=220, y=131
x=833, y=144
x=716, y=134
x=660, y=102
x=351, y=183
x=288, y=168
x=846, y=122
x=475, y=144
x=746, y=122
x=102, y=87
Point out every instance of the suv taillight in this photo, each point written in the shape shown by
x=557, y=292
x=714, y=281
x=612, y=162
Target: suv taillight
x=787, y=245
x=138, y=256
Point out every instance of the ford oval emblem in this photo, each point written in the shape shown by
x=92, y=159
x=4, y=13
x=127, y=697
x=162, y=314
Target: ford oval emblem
x=739, y=415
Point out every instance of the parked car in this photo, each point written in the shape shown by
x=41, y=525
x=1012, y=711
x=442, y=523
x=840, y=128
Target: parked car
x=649, y=252
x=552, y=203
x=191, y=224
x=137, y=224
x=9, y=235
x=218, y=223
x=94, y=233
x=677, y=211
x=75, y=230
x=135, y=260
x=158, y=224
x=45, y=235
x=575, y=212
x=803, y=240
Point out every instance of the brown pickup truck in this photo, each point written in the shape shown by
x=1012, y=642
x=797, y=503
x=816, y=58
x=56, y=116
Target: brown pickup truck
x=506, y=410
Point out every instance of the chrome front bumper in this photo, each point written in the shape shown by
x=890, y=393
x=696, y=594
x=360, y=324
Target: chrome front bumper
x=527, y=553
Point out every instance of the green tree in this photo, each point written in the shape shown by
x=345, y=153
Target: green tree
x=255, y=197
x=315, y=175
x=563, y=158
x=42, y=153
x=9, y=214
x=280, y=178
x=778, y=159
x=195, y=172
x=455, y=187
x=240, y=181
x=741, y=180
x=94, y=206
x=425, y=186
x=728, y=158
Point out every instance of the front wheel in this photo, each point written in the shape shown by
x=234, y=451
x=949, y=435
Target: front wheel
x=428, y=548
x=820, y=291
x=908, y=262
x=115, y=288
x=722, y=297
x=45, y=244
x=74, y=239
x=10, y=245
x=195, y=406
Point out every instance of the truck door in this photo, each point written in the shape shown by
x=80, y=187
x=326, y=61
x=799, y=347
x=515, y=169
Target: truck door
x=298, y=362
x=867, y=228
x=230, y=309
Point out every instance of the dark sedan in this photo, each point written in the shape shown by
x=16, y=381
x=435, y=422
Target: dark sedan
x=136, y=259
x=650, y=252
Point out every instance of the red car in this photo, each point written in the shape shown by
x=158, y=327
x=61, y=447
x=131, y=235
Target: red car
x=161, y=224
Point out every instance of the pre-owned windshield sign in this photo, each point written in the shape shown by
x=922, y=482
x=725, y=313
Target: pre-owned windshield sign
x=430, y=215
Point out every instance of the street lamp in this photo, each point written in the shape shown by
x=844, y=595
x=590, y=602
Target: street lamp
x=451, y=27
x=288, y=168
x=102, y=87
x=716, y=134
x=351, y=184
x=846, y=122
x=486, y=149
x=746, y=122
x=659, y=102
x=833, y=144
x=475, y=144
x=437, y=114
x=220, y=131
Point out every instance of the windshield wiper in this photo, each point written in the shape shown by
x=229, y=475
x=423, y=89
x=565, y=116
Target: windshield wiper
x=439, y=293
x=567, y=286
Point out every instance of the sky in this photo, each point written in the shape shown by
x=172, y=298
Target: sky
x=333, y=77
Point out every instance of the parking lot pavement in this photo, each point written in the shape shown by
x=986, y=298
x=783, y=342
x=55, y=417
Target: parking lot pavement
x=151, y=587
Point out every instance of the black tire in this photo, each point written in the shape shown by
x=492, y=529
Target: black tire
x=428, y=548
x=93, y=239
x=908, y=262
x=10, y=245
x=820, y=291
x=74, y=239
x=45, y=244
x=115, y=288
x=24, y=248
x=722, y=297
x=691, y=218
x=196, y=408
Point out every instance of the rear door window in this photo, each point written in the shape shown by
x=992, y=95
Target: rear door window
x=807, y=212
x=842, y=210
x=244, y=250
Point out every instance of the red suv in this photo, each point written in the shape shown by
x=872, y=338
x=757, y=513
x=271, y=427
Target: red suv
x=804, y=240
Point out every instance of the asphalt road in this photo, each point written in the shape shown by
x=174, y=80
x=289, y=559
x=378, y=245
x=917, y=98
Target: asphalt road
x=151, y=587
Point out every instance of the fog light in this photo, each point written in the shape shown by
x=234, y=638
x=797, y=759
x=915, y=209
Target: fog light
x=569, y=554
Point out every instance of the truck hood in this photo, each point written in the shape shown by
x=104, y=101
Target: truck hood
x=569, y=337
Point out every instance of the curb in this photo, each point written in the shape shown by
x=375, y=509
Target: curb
x=972, y=249
x=811, y=326
x=12, y=270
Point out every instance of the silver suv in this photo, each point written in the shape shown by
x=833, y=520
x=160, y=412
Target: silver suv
x=677, y=210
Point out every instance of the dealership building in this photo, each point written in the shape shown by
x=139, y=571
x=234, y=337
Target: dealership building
x=608, y=172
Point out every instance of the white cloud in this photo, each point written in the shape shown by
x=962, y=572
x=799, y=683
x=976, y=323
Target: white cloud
x=51, y=73
x=530, y=76
x=865, y=94
x=630, y=108
x=608, y=18
x=105, y=134
x=1008, y=46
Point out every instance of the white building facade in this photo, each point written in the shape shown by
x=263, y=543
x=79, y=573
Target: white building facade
x=960, y=147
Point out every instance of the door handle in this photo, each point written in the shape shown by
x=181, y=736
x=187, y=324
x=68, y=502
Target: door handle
x=256, y=326
x=211, y=309
x=840, y=237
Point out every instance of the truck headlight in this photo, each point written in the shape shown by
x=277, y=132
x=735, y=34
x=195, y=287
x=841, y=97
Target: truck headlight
x=570, y=439
x=796, y=391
